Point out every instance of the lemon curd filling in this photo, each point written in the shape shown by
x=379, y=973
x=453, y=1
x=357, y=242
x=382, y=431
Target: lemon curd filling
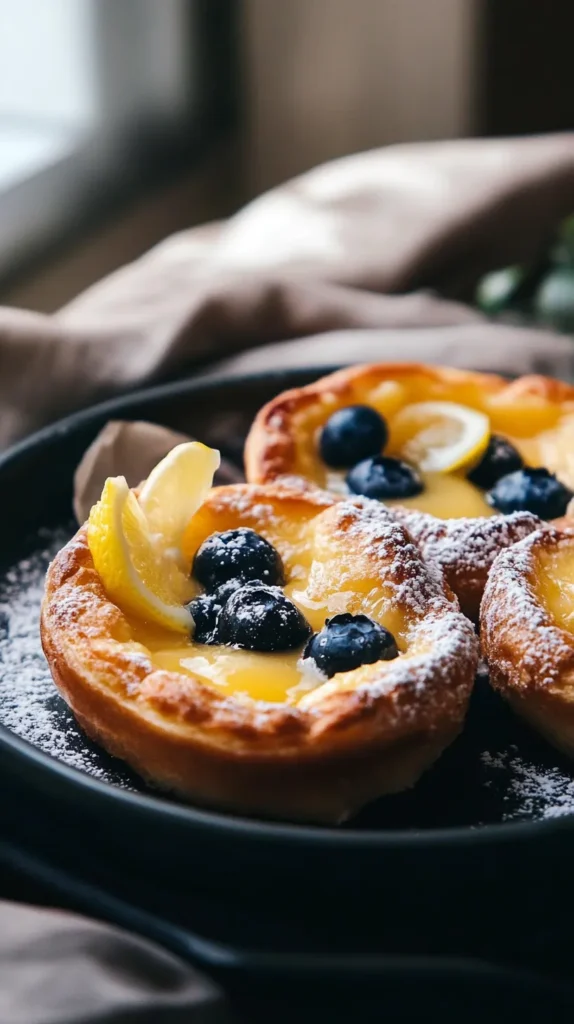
x=540, y=430
x=324, y=578
x=274, y=678
x=555, y=584
x=446, y=495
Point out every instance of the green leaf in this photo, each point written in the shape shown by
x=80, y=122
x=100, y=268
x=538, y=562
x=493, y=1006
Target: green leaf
x=496, y=290
x=554, y=300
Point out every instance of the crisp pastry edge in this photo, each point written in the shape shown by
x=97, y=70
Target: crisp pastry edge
x=529, y=655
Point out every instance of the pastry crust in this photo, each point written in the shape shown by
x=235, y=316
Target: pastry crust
x=530, y=655
x=282, y=442
x=360, y=735
x=465, y=549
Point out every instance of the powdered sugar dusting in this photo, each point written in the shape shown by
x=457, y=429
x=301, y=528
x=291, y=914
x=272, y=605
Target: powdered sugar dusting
x=539, y=792
x=417, y=586
x=30, y=705
x=472, y=543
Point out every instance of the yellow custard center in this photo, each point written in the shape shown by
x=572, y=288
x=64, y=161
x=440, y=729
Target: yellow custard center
x=274, y=678
x=446, y=495
x=326, y=574
x=555, y=584
x=269, y=677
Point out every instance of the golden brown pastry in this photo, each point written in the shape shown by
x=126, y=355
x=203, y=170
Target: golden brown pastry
x=477, y=461
x=266, y=732
x=527, y=632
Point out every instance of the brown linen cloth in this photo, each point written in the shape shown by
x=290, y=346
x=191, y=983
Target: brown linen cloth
x=325, y=252
x=130, y=449
x=57, y=968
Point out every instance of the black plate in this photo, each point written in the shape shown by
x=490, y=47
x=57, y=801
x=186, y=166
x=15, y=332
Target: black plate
x=476, y=857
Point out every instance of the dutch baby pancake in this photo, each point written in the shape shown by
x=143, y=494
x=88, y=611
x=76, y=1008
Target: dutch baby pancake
x=477, y=461
x=527, y=620
x=268, y=649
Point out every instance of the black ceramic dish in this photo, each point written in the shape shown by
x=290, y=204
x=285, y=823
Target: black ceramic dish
x=458, y=866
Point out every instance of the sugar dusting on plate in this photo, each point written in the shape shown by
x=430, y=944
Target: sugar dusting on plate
x=30, y=705
x=531, y=791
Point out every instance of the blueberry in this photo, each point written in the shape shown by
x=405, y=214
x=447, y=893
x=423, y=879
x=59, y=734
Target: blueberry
x=383, y=477
x=347, y=641
x=234, y=554
x=530, y=490
x=262, y=618
x=206, y=608
x=499, y=459
x=352, y=434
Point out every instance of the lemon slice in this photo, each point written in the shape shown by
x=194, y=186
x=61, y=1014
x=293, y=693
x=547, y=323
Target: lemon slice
x=138, y=574
x=440, y=437
x=176, y=488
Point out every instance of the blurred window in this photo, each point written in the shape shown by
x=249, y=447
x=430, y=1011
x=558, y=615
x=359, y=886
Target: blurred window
x=95, y=95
